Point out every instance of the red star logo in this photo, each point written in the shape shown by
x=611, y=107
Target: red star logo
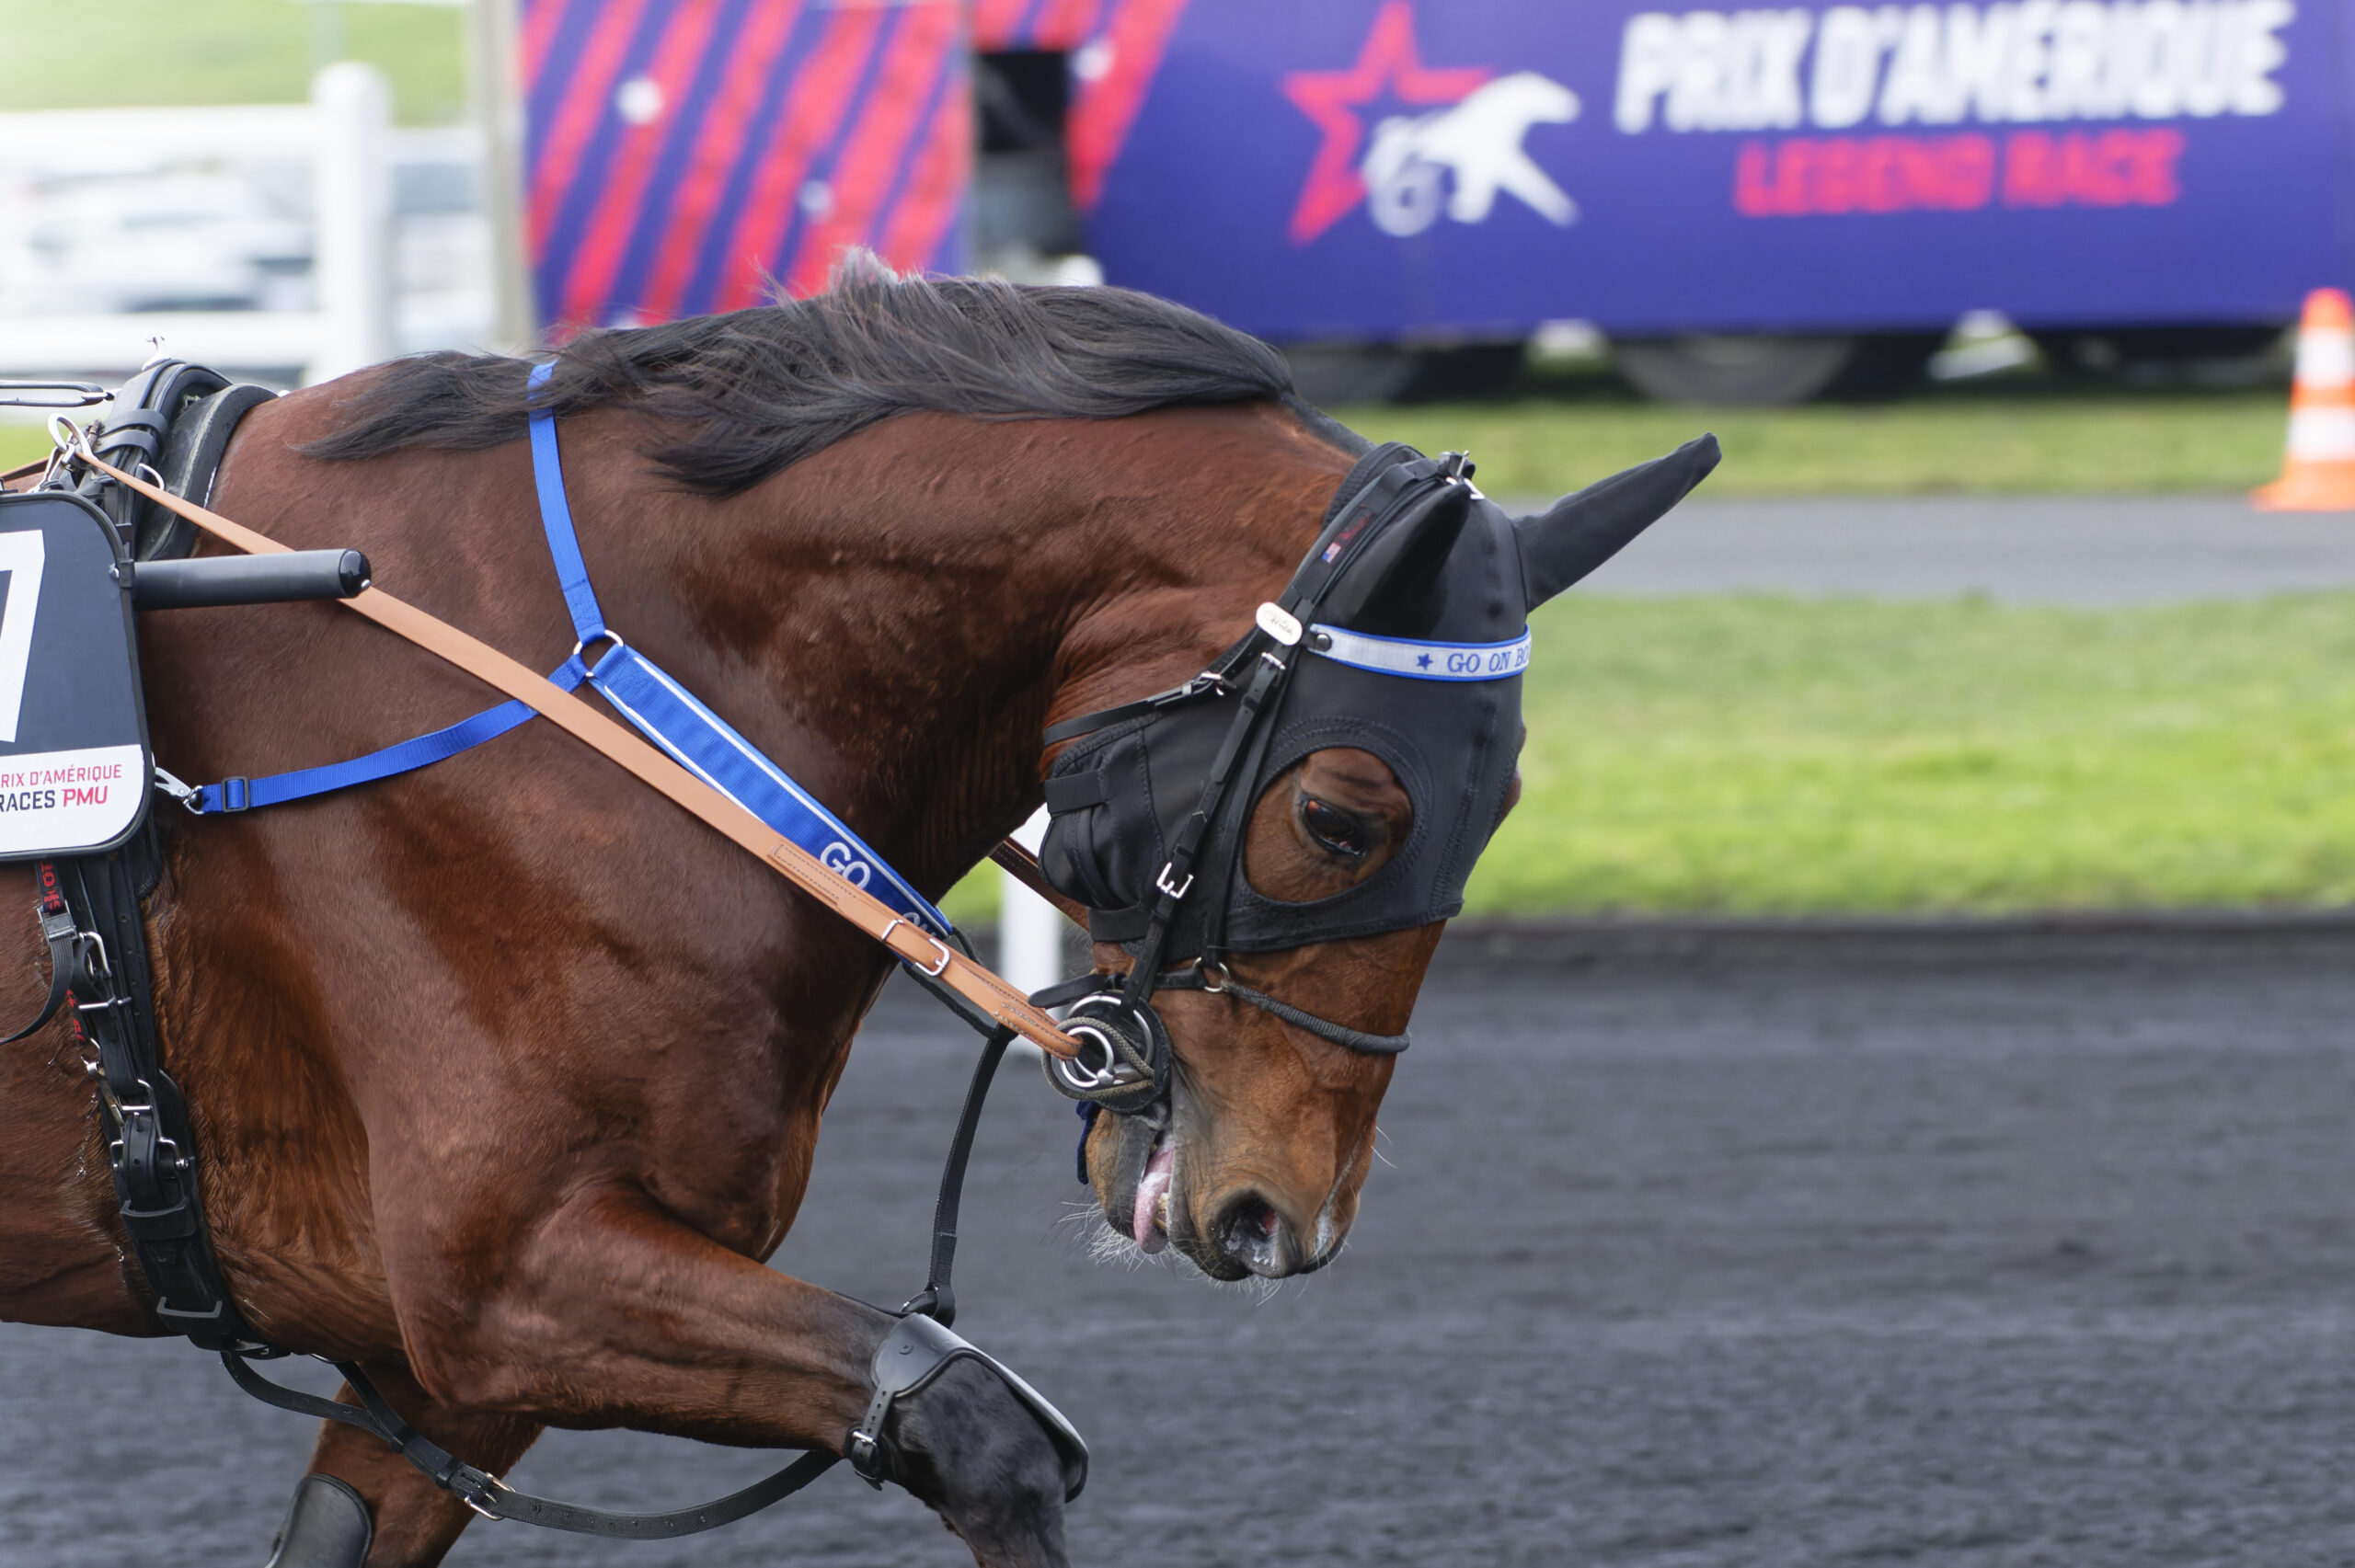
x=1388, y=58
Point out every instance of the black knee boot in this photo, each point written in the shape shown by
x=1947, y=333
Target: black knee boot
x=328, y=1527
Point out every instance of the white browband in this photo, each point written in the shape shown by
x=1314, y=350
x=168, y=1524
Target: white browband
x=1420, y=660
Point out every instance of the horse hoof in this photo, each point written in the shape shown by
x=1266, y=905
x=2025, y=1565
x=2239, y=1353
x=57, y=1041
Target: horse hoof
x=328, y=1527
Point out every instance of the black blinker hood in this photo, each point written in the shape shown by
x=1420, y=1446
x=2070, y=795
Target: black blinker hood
x=1402, y=634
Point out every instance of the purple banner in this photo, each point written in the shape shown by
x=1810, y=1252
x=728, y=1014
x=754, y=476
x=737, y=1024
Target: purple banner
x=1376, y=168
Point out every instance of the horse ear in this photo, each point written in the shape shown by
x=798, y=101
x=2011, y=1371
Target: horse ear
x=1580, y=533
x=1398, y=590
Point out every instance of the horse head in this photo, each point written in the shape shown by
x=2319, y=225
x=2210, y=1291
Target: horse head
x=1330, y=834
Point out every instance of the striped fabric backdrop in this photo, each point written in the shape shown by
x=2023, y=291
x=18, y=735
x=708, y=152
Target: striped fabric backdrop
x=684, y=155
x=1036, y=24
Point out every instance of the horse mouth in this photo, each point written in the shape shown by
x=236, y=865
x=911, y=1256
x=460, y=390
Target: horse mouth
x=1145, y=1207
x=1149, y=1214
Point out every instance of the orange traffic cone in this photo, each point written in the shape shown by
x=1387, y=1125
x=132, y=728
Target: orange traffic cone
x=2319, y=474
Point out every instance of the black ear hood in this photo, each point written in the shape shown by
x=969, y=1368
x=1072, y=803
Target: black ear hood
x=1411, y=636
x=1580, y=533
x=1400, y=587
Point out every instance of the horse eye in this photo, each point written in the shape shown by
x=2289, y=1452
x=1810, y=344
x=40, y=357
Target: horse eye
x=1337, y=830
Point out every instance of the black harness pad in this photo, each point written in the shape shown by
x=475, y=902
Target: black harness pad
x=194, y=449
x=74, y=759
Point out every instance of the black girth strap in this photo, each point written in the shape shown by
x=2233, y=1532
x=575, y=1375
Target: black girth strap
x=149, y=1145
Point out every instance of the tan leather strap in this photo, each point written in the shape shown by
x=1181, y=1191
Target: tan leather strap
x=1023, y=866
x=976, y=984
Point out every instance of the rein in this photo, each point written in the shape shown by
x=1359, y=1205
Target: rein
x=927, y=956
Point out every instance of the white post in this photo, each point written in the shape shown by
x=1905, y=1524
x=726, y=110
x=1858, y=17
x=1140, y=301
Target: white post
x=351, y=217
x=1029, y=929
x=494, y=84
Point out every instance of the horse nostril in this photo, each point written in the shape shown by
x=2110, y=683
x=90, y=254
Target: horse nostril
x=1251, y=1233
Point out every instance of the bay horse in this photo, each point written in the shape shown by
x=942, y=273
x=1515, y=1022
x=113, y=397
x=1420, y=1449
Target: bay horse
x=507, y=1079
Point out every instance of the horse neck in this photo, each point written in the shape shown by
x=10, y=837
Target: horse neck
x=900, y=616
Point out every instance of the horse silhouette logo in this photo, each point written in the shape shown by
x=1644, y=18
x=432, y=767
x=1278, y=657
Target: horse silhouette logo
x=1477, y=145
x=1456, y=148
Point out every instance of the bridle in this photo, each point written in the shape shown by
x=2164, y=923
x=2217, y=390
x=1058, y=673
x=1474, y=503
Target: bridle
x=1125, y=1058
x=1109, y=1066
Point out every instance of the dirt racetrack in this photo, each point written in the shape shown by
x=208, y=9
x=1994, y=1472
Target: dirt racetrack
x=1723, y=1252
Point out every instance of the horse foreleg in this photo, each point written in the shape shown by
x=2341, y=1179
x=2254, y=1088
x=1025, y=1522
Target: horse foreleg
x=412, y=1521
x=617, y=1314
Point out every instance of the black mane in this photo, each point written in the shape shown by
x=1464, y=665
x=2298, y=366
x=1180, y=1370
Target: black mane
x=746, y=394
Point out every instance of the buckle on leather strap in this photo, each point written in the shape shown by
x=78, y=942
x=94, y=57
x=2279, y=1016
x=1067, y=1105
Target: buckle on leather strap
x=1161, y=881
x=865, y=1453
x=471, y=1486
x=931, y=974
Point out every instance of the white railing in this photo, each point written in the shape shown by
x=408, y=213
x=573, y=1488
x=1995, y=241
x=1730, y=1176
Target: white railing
x=345, y=140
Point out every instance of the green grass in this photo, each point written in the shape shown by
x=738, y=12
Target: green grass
x=1760, y=756
x=973, y=901
x=21, y=443
x=1754, y=755
x=64, y=55
x=2016, y=437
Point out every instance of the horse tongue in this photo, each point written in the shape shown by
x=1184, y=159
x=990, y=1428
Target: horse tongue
x=1152, y=1188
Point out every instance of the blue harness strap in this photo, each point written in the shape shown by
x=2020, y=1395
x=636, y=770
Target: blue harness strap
x=277, y=789
x=707, y=745
x=555, y=519
x=663, y=711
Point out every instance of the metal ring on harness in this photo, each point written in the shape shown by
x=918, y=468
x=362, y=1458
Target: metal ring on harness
x=1080, y=1073
x=73, y=441
x=603, y=637
x=1124, y=1054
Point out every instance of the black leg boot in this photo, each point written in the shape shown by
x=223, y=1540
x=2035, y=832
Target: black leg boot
x=328, y=1527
